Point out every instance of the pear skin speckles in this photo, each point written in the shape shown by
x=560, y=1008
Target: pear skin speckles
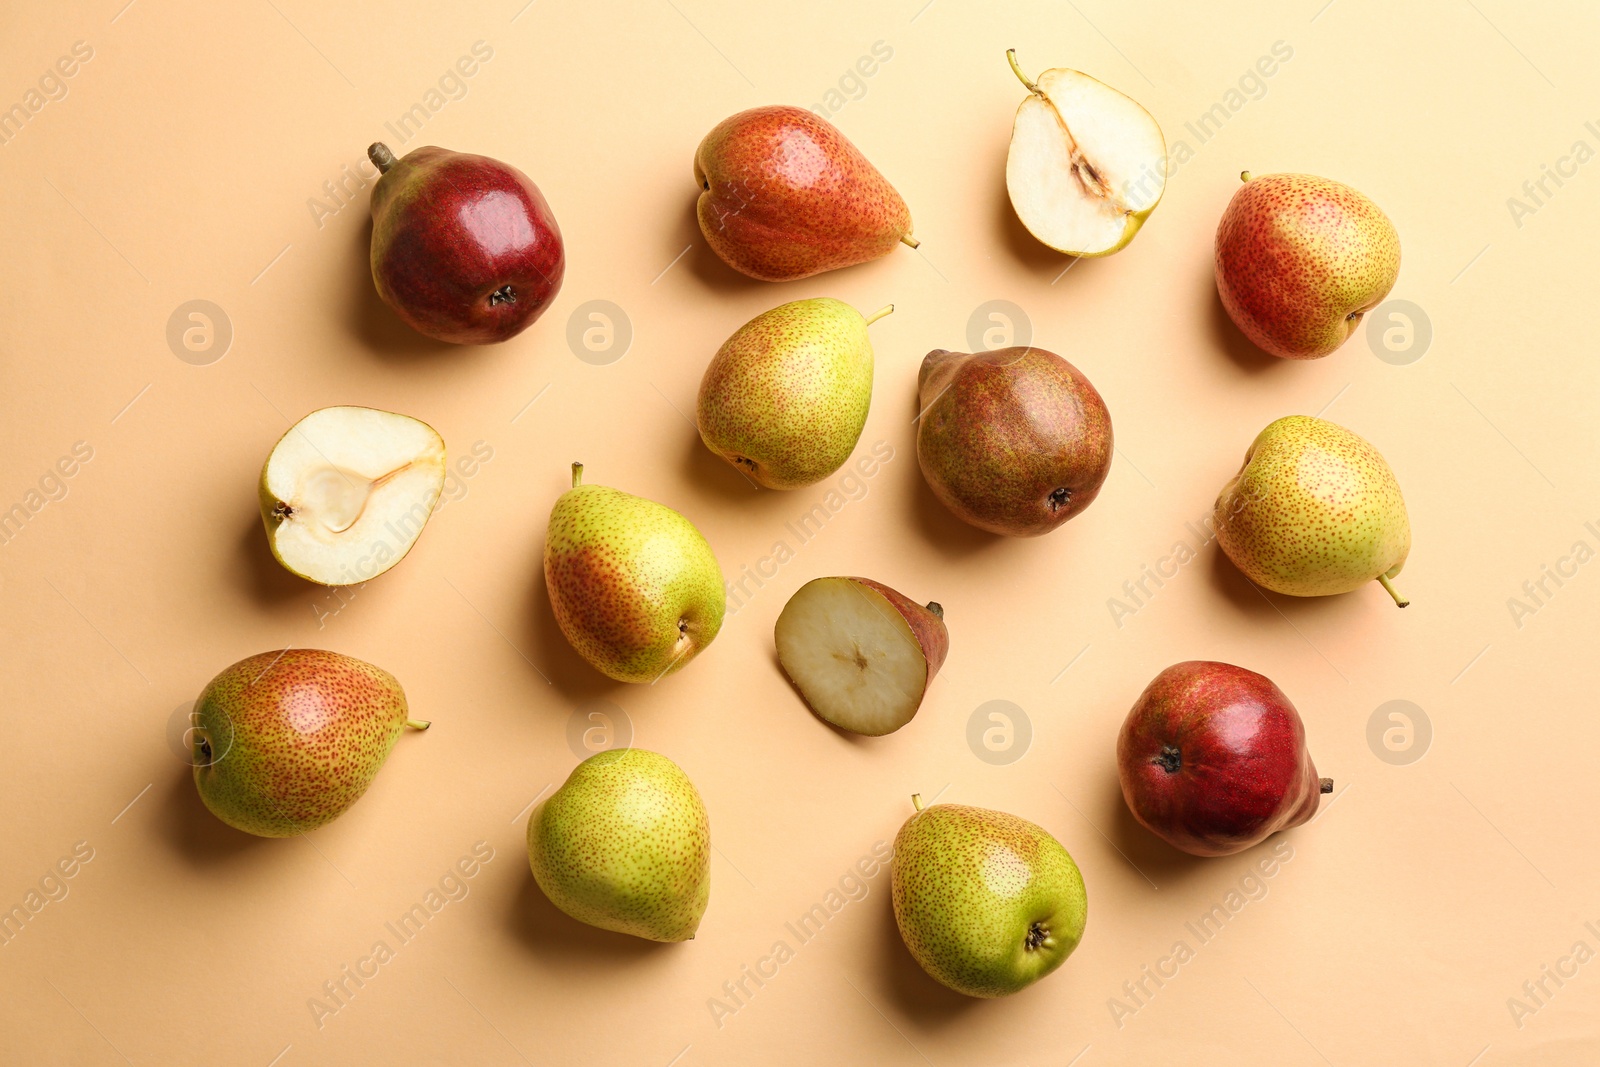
x=1299, y=260
x=625, y=845
x=633, y=585
x=293, y=738
x=785, y=398
x=785, y=195
x=1314, y=510
x=986, y=902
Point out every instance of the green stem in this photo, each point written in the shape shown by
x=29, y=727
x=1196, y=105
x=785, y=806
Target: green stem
x=418, y=724
x=1383, y=580
x=577, y=475
x=916, y=801
x=1011, y=57
x=880, y=313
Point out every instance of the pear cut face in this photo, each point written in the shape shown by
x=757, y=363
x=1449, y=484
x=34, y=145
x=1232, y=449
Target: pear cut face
x=346, y=492
x=1086, y=166
x=860, y=654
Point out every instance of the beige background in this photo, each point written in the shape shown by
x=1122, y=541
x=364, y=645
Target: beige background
x=179, y=166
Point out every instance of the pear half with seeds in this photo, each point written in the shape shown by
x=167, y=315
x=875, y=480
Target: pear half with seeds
x=1087, y=164
x=345, y=493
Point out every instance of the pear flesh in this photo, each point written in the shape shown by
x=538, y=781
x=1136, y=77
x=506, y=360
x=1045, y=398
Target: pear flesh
x=986, y=902
x=1087, y=165
x=633, y=585
x=1314, y=510
x=625, y=845
x=861, y=654
x=346, y=491
x=285, y=742
x=785, y=398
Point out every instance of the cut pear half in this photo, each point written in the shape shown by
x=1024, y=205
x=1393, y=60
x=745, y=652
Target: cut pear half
x=853, y=650
x=1086, y=165
x=345, y=493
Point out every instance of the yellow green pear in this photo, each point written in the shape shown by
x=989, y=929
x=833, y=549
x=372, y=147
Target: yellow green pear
x=286, y=741
x=633, y=585
x=625, y=845
x=785, y=398
x=1314, y=510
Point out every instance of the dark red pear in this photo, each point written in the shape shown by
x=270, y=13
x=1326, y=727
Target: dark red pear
x=1213, y=759
x=464, y=247
x=1014, y=441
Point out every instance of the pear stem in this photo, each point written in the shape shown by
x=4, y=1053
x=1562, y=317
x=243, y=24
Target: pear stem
x=880, y=313
x=1383, y=580
x=1324, y=785
x=418, y=724
x=1011, y=57
x=577, y=475
x=916, y=801
x=909, y=241
x=936, y=607
x=381, y=157
x=1244, y=175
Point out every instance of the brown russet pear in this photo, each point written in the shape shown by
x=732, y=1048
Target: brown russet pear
x=1014, y=441
x=1314, y=510
x=286, y=741
x=633, y=585
x=785, y=195
x=1300, y=260
x=785, y=398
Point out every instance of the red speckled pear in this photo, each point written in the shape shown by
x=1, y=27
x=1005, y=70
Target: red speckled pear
x=287, y=741
x=785, y=195
x=464, y=247
x=1300, y=260
x=1213, y=759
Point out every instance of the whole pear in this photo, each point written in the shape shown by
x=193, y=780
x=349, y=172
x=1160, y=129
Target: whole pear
x=286, y=741
x=1014, y=441
x=1213, y=759
x=785, y=398
x=633, y=585
x=1314, y=510
x=1299, y=261
x=464, y=247
x=625, y=845
x=986, y=902
x=785, y=195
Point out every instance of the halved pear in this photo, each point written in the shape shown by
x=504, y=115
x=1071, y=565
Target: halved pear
x=1086, y=165
x=861, y=654
x=345, y=493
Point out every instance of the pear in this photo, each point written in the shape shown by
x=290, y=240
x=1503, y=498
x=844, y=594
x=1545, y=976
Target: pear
x=286, y=741
x=624, y=845
x=1087, y=165
x=785, y=195
x=785, y=398
x=1314, y=510
x=861, y=654
x=1299, y=261
x=987, y=903
x=1015, y=441
x=633, y=585
x=346, y=491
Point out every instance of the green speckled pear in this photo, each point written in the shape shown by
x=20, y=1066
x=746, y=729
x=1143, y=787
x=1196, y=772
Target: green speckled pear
x=988, y=903
x=633, y=585
x=286, y=741
x=624, y=845
x=1314, y=510
x=785, y=398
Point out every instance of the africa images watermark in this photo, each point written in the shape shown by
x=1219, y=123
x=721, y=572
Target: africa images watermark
x=1553, y=177
x=51, y=87
x=1140, y=590
x=1538, y=991
x=1537, y=592
x=1138, y=992
x=452, y=887
x=851, y=487
x=51, y=488
x=852, y=887
x=52, y=888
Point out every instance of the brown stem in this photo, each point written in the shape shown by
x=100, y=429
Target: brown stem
x=381, y=157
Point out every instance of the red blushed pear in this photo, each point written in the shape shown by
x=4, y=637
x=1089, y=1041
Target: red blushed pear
x=785, y=195
x=1015, y=441
x=1213, y=759
x=464, y=247
x=1299, y=261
